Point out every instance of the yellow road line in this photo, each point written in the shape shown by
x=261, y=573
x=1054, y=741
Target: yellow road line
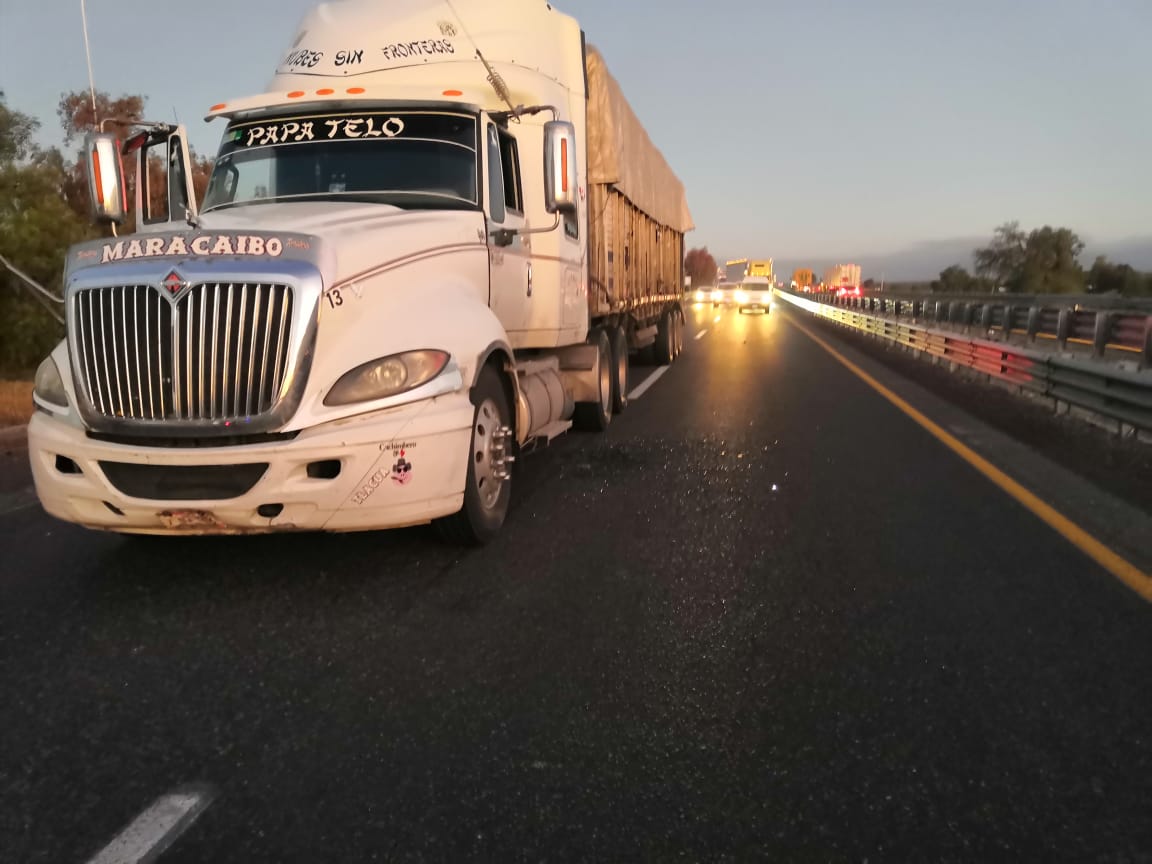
x=1121, y=568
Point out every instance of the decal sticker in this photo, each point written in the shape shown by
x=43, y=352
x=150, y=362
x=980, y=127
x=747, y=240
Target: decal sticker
x=303, y=58
x=205, y=245
x=337, y=129
x=350, y=58
x=402, y=471
x=418, y=48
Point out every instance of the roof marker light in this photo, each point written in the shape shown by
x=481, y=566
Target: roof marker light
x=219, y=107
x=295, y=94
x=452, y=93
x=326, y=91
x=355, y=91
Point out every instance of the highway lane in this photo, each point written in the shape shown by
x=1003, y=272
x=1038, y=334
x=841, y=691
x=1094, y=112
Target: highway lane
x=766, y=615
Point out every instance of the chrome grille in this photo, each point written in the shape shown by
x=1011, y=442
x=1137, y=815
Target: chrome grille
x=219, y=353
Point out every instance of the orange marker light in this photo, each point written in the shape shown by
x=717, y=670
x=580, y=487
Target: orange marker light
x=355, y=91
x=97, y=176
x=295, y=94
x=219, y=107
x=564, y=164
x=453, y=93
x=327, y=91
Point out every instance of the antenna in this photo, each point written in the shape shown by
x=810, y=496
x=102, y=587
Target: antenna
x=88, y=54
x=494, y=77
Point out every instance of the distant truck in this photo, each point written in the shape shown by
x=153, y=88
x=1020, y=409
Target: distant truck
x=843, y=279
x=760, y=269
x=735, y=270
x=436, y=238
x=803, y=279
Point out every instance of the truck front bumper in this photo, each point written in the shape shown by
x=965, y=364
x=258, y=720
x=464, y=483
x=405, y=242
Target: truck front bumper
x=403, y=466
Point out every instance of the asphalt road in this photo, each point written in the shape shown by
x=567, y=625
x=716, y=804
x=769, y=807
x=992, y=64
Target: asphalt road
x=765, y=616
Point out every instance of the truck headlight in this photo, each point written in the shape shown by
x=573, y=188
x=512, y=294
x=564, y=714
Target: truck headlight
x=48, y=391
x=387, y=376
x=741, y=297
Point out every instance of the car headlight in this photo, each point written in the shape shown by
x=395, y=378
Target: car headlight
x=741, y=296
x=387, y=376
x=717, y=295
x=766, y=297
x=698, y=296
x=48, y=391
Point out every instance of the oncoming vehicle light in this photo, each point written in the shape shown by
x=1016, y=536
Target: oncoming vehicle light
x=717, y=295
x=741, y=296
x=387, y=376
x=698, y=297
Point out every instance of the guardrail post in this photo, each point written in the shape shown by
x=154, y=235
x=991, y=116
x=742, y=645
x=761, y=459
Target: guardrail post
x=1146, y=353
x=1007, y=318
x=1101, y=333
x=1063, y=327
x=986, y=317
x=1033, y=322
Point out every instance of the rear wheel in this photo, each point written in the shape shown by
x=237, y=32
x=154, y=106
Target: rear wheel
x=595, y=416
x=678, y=318
x=664, y=337
x=488, y=487
x=619, y=342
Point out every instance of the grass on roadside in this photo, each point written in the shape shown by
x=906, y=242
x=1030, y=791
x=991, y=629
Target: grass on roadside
x=15, y=402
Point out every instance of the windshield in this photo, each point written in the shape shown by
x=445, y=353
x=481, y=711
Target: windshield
x=410, y=159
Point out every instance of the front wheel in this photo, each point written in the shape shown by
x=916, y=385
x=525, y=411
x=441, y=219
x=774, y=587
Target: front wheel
x=488, y=487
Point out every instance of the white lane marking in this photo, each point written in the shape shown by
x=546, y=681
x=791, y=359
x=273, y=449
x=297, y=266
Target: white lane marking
x=643, y=386
x=716, y=320
x=701, y=334
x=156, y=828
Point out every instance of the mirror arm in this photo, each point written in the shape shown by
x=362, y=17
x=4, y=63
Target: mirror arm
x=503, y=236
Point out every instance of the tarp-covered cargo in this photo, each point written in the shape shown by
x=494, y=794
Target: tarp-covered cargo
x=621, y=154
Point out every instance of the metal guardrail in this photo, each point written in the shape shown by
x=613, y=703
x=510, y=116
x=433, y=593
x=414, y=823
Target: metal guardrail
x=1100, y=323
x=1099, y=387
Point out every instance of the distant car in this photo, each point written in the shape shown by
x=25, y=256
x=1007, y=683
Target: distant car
x=753, y=299
x=754, y=294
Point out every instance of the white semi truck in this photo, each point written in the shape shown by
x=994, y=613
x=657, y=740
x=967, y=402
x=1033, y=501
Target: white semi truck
x=435, y=239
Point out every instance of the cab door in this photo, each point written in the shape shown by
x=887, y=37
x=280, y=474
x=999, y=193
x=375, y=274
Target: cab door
x=510, y=263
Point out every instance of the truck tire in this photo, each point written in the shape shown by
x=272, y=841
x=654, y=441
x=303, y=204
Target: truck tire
x=663, y=346
x=595, y=416
x=678, y=331
x=619, y=341
x=486, y=493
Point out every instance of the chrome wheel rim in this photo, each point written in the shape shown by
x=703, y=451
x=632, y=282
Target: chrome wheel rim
x=490, y=441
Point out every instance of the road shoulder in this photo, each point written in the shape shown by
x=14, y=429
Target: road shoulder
x=1110, y=519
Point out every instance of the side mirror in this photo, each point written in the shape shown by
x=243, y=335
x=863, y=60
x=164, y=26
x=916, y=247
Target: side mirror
x=105, y=178
x=559, y=167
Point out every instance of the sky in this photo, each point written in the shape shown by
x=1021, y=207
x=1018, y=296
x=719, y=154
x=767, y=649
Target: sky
x=809, y=131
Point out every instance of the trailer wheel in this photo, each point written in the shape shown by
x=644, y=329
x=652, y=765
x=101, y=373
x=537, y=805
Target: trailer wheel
x=619, y=342
x=595, y=416
x=664, y=340
x=488, y=486
x=678, y=331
